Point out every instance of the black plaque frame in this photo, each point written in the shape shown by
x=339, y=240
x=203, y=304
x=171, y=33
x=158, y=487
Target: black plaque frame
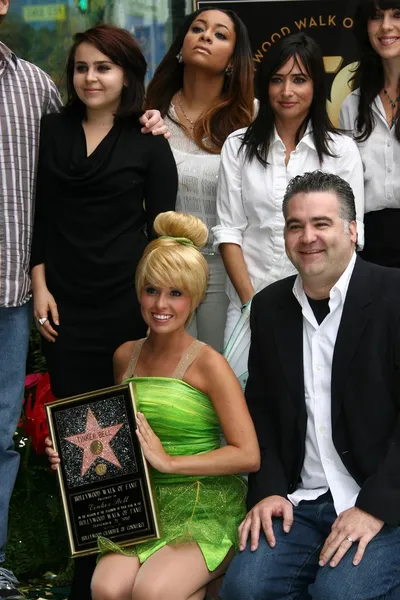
x=119, y=507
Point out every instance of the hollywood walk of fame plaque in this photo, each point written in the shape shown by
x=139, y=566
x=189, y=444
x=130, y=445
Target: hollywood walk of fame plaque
x=103, y=475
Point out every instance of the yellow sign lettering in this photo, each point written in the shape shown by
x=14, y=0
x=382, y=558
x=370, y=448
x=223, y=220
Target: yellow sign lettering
x=348, y=22
x=302, y=24
x=258, y=56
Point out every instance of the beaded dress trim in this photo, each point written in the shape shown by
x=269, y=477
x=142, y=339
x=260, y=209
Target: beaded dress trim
x=187, y=359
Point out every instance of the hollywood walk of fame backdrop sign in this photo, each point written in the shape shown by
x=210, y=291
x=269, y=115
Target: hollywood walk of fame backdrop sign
x=103, y=476
x=329, y=22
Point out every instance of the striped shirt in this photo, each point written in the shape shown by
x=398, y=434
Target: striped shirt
x=26, y=94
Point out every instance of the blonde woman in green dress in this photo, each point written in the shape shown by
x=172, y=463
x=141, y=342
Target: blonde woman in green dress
x=186, y=391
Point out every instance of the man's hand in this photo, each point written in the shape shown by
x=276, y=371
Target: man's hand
x=352, y=525
x=261, y=516
x=153, y=123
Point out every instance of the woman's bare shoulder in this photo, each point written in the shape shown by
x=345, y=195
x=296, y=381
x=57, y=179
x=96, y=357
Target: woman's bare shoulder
x=212, y=363
x=121, y=359
x=124, y=350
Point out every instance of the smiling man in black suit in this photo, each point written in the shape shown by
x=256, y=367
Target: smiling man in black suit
x=324, y=394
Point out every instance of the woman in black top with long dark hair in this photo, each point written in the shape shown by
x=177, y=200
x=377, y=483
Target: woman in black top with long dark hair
x=101, y=183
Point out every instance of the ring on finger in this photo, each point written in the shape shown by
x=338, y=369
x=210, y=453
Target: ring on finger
x=42, y=320
x=349, y=539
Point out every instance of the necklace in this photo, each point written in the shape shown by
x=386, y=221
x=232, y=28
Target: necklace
x=393, y=104
x=192, y=123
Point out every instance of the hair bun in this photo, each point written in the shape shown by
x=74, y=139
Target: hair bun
x=180, y=224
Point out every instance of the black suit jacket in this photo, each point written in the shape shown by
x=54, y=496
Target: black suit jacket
x=365, y=389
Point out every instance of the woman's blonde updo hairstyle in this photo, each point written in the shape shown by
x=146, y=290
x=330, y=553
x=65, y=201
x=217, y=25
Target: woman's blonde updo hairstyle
x=167, y=262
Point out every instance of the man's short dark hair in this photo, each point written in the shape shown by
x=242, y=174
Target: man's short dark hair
x=317, y=181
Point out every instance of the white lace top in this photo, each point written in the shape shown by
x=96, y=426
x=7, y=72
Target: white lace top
x=197, y=175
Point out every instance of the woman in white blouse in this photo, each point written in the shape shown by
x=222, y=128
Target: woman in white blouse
x=204, y=90
x=371, y=113
x=291, y=134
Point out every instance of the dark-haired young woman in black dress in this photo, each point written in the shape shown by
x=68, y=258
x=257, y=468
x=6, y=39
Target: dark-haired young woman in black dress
x=101, y=183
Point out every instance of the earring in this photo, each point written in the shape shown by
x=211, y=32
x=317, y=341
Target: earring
x=179, y=57
x=229, y=71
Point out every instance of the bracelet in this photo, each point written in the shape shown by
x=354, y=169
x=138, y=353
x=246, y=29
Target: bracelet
x=245, y=305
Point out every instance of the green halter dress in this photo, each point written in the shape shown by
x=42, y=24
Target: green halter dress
x=206, y=510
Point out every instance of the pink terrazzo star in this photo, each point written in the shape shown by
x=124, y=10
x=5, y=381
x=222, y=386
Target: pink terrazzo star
x=95, y=442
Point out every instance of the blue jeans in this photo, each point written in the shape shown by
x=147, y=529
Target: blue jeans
x=14, y=338
x=290, y=571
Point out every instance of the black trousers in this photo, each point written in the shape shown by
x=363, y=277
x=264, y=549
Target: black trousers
x=80, y=361
x=382, y=239
x=83, y=573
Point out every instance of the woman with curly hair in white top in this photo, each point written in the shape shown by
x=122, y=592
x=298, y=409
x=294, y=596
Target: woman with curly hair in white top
x=204, y=90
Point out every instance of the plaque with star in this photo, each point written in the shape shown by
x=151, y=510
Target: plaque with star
x=103, y=476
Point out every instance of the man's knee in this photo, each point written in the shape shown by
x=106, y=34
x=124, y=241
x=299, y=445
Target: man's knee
x=233, y=583
x=247, y=577
x=323, y=591
x=330, y=584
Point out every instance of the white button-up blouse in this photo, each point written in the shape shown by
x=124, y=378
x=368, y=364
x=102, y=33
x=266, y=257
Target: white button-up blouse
x=380, y=155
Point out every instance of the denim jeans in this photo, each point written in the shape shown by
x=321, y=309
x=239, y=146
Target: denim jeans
x=290, y=571
x=14, y=337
